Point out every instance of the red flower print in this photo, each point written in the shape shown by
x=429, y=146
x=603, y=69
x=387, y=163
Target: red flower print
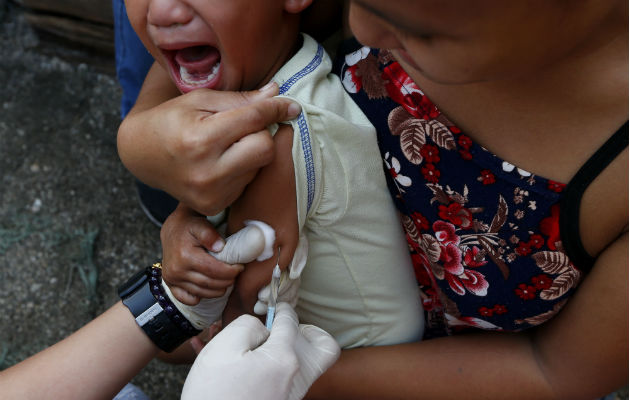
x=499, y=309
x=555, y=186
x=454, y=129
x=487, y=177
x=523, y=249
x=465, y=154
x=525, y=291
x=550, y=227
x=536, y=241
x=472, y=258
x=470, y=280
x=431, y=174
x=486, y=312
x=464, y=141
x=430, y=153
x=420, y=221
x=451, y=259
x=351, y=81
x=542, y=281
x=432, y=301
x=457, y=214
x=420, y=262
x=426, y=109
x=405, y=92
x=445, y=232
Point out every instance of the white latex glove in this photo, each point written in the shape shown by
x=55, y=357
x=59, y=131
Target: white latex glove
x=316, y=351
x=254, y=242
x=245, y=361
x=289, y=280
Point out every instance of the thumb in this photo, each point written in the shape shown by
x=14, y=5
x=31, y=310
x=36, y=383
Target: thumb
x=243, y=334
x=321, y=340
x=217, y=101
x=284, y=329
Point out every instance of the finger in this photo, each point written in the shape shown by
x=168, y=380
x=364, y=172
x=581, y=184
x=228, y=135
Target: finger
x=197, y=344
x=201, y=292
x=184, y=296
x=243, y=334
x=201, y=279
x=248, y=154
x=216, y=269
x=231, y=125
x=284, y=329
x=321, y=340
x=253, y=241
x=217, y=101
x=202, y=230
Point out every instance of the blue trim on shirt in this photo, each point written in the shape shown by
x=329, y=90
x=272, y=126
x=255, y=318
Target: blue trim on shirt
x=303, y=126
x=310, y=67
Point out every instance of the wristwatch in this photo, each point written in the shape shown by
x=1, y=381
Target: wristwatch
x=154, y=312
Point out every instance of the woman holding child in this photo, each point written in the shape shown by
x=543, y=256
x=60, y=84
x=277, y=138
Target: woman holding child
x=489, y=115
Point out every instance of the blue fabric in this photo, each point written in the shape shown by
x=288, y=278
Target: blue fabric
x=132, y=59
x=131, y=392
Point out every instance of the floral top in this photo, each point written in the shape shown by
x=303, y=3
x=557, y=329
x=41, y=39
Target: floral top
x=483, y=234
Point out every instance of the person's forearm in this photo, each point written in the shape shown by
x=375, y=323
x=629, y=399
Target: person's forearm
x=582, y=353
x=93, y=363
x=488, y=366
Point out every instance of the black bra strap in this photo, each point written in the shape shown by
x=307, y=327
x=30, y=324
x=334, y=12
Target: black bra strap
x=570, y=206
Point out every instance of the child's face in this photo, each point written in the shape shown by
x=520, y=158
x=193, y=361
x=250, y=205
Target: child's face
x=463, y=41
x=217, y=44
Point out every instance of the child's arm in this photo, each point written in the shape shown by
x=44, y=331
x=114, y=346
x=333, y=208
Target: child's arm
x=270, y=198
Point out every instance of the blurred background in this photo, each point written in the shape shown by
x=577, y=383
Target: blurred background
x=71, y=229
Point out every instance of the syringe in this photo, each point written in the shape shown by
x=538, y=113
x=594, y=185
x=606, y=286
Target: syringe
x=273, y=293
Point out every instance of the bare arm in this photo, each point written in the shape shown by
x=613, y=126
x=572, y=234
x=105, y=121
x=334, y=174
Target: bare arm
x=93, y=363
x=203, y=147
x=582, y=353
x=270, y=198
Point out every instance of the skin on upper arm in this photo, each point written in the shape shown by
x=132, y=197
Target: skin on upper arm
x=270, y=198
x=587, y=343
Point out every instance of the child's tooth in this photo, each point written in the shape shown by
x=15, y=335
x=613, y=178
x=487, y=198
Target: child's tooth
x=189, y=79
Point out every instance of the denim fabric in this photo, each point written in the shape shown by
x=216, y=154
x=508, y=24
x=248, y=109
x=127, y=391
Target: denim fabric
x=132, y=59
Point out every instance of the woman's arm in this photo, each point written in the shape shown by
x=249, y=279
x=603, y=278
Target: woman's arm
x=203, y=147
x=93, y=363
x=582, y=353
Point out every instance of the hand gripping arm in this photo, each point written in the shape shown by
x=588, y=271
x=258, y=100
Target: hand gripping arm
x=254, y=242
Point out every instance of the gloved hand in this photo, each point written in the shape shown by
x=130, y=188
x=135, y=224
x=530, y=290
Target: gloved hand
x=254, y=242
x=289, y=280
x=246, y=361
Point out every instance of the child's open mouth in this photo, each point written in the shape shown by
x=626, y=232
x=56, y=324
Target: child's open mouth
x=194, y=67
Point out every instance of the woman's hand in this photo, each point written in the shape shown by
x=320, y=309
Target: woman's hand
x=203, y=147
x=189, y=270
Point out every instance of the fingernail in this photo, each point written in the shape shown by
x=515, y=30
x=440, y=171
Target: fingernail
x=217, y=246
x=267, y=86
x=294, y=110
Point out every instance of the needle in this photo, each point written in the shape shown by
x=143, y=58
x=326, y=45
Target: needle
x=273, y=295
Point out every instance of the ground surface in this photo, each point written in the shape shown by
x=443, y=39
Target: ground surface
x=70, y=226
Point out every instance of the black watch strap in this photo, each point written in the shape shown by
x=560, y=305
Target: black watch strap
x=149, y=314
